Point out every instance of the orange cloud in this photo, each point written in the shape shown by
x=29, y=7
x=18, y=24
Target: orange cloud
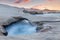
x=21, y=1
x=47, y=6
x=15, y=2
x=50, y=0
x=41, y=6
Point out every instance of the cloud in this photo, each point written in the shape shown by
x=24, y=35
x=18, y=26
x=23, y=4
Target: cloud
x=15, y=1
x=54, y=6
x=21, y=1
x=18, y=1
x=50, y=0
x=40, y=6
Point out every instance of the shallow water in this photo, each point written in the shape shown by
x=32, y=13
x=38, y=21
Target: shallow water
x=23, y=27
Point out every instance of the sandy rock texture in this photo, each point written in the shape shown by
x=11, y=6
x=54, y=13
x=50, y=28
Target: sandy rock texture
x=53, y=34
x=6, y=13
x=6, y=22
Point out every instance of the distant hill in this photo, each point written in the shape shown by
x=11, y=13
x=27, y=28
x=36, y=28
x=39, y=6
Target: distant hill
x=51, y=11
x=37, y=11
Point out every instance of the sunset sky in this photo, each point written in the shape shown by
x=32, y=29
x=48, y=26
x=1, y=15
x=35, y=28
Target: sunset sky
x=38, y=4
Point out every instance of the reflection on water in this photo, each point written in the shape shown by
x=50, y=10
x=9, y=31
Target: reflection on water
x=23, y=27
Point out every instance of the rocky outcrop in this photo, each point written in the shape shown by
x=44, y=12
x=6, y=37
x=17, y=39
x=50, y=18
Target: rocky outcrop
x=42, y=28
x=9, y=22
x=53, y=34
x=12, y=20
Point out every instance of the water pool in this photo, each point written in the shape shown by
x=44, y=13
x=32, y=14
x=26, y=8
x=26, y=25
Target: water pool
x=21, y=27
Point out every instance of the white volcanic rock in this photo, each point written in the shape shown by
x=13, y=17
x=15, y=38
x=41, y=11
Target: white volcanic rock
x=53, y=34
x=9, y=12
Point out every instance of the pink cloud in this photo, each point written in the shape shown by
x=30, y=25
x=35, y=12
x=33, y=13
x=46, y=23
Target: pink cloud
x=51, y=0
x=15, y=1
x=21, y=1
x=18, y=1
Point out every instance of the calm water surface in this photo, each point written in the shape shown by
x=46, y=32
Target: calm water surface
x=23, y=27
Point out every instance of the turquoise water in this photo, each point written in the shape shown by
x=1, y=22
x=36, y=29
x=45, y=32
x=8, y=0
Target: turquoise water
x=23, y=27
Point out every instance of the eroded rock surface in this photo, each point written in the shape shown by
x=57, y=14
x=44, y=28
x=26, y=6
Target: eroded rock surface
x=53, y=34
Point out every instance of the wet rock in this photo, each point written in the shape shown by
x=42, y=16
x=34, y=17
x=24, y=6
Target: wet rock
x=2, y=30
x=39, y=26
x=38, y=29
x=42, y=28
x=47, y=28
x=8, y=22
x=12, y=20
